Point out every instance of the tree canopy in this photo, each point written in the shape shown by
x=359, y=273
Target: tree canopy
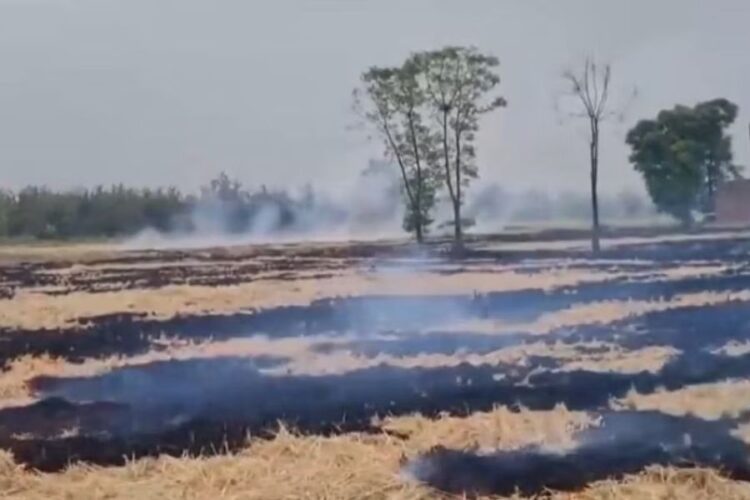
x=392, y=100
x=224, y=205
x=459, y=83
x=427, y=112
x=683, y=155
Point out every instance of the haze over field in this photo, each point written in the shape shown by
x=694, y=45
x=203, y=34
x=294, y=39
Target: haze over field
x=171, y=92
x=384, y=249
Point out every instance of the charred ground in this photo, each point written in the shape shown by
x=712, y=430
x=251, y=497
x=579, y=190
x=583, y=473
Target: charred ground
x=381, y=352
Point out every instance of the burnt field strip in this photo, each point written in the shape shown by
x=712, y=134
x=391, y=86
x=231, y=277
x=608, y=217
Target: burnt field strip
x=221, y=267
x=132, y=333
x=203, y=405
x=623, y=443
x=209, y=405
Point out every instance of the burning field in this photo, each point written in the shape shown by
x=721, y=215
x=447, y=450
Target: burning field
x=519, y=368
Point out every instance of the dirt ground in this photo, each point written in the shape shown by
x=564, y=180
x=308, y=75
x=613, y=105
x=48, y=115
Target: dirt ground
x=337, y=371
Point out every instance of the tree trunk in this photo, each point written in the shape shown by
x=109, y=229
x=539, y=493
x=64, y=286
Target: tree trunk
x=711, y=183
x=413, y=201
x=419, y=221
x=595, y=244
x=418, y=229
x=458, y=226
x=446, y=158
x=404, y=177
x=418, y=211
x=457, y=232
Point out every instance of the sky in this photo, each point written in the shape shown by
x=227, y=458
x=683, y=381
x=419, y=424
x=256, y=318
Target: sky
x=170, y=92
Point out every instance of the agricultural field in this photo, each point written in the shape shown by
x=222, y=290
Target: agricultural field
x=522, y=367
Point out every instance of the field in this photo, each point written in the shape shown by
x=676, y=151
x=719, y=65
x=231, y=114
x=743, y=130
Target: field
x=520, y=368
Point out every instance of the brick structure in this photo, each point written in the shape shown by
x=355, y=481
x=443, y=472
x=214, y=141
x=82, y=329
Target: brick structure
x=733, y=202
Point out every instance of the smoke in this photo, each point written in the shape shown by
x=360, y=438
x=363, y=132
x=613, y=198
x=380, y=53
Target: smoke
x=225, y=214
x=493, y=208
x=372, y=207
x=624, y=443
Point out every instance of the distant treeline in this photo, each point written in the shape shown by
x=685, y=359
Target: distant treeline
x=41, y=213
x=225, y=207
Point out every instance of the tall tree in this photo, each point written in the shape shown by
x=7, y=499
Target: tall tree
x=392, y=100
x=683, y=155
x=459, y=84
x=590, y=87
x=712, y=119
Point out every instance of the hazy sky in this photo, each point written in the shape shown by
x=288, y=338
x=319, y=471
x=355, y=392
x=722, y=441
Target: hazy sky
x=171, y=92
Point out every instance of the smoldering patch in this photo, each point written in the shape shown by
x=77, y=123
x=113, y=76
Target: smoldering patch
x=624, y=443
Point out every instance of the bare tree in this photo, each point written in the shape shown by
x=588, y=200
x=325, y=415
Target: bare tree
x=591, y=88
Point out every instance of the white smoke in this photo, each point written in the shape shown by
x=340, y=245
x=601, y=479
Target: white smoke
x=367, y=209
x=371, y=207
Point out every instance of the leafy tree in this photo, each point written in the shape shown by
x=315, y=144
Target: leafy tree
x=162, y=207
x=223, y=188
x=712, y=119
x=38, y=212
x=427, y=112
x=392, y=101
x=7, y=200
x=459, y=84
x=683, y=155
x=417, y=217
